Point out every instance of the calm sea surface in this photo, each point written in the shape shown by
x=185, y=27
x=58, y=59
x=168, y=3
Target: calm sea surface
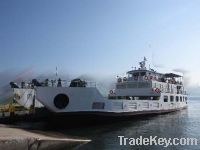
x=181, y=124
x=185, y=123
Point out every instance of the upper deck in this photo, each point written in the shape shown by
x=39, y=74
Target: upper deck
x=143, y=81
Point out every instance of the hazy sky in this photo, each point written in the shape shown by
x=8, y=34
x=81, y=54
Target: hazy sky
x=100, y=36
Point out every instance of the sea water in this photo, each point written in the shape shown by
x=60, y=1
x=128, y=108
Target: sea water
x=180, y=124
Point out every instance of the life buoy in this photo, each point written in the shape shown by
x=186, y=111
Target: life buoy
x=146, y=78
x=124, y=79
x=111, y=92
x=119, y=80
x=157, y=90
x=151, y=77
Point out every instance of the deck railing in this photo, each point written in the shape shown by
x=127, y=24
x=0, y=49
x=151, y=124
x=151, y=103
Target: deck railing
x=54, y=83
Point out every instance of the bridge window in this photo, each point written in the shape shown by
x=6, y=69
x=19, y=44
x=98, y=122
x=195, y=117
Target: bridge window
x=143, y=73
x=181, y=99
x=136, y=74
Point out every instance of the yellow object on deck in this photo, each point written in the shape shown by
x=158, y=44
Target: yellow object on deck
x=11, y=108
x=4, y=108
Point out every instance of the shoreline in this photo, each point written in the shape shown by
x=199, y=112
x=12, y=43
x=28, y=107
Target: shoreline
x=12, y=138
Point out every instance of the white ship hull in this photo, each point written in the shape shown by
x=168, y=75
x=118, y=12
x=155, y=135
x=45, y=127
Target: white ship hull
x=90, y=101
x=25, y=97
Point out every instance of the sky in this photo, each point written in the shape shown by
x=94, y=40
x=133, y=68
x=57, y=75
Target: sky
x=100, y=37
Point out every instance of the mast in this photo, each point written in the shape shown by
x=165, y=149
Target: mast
x=143, y=64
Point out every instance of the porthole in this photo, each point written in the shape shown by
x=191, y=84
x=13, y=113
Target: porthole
x=61, y=101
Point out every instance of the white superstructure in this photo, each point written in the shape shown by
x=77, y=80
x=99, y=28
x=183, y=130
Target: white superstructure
x=142, y=91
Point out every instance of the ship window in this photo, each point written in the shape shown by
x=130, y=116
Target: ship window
x=143, y=97
x=156, y=97
x=186, y=99
x=181, y=99
x=112, y=97
x=130, y=75
x=129, y=97
x=143, y=73
x=136, y=98
x=177, y=99
x=136, y=74
x=121, y=97
x=165, y=98
x=171, y=98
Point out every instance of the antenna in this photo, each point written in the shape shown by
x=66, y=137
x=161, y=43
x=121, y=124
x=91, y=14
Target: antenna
x=56, y=72
x=152, y=59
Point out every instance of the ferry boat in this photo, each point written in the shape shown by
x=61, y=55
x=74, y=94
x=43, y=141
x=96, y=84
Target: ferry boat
x=142, y=91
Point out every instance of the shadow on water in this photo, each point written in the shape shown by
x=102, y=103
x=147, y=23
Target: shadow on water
x=179, y=124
